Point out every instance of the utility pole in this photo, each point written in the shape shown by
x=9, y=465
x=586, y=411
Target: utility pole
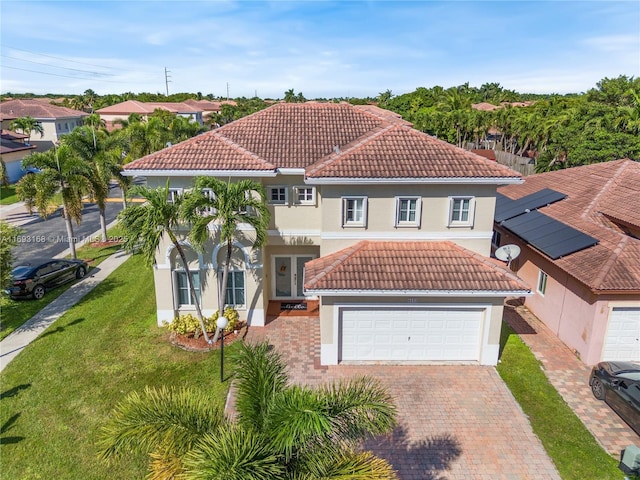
x=227, y=91
x=166, y=78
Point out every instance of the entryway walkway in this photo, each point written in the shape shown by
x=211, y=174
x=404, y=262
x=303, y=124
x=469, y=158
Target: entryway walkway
x=455, y=422
x=570, y=377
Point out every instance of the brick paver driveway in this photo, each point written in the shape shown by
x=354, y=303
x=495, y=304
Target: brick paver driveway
x=455, y=422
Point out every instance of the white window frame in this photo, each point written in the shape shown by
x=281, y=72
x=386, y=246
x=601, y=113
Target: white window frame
x=176, y=287
x=418, y=209
x=541, y=286
x=232, y=273
x=298, y=189
x=345, y=211
x=470, y=212
x=208, y=192
x=174, y=193
x=496, y=238
x=270, y=200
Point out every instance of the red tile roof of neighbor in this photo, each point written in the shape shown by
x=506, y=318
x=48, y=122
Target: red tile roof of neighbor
x=37, y=109
x=602, y=199
x=146, y=108
x=328, y=140
x=409, y=266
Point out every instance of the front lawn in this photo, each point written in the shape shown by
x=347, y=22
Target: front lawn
x=58, y=392
x=8, y=195
x=570, y=445
x=16, y=312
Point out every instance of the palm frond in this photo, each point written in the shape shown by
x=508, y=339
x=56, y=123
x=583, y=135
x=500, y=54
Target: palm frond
x=168, y=420
x=233, y=454
x=260, y=376
x=337, y=463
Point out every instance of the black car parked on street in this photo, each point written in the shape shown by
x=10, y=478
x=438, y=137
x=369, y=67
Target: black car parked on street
x=34, y=277
x=618, y=384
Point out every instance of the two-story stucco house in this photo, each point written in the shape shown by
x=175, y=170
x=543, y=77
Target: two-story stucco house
x=387, y=228
x=122, y=110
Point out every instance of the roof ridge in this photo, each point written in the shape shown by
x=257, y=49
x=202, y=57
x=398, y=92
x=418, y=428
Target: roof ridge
x=605, y=188
x=351, y=147
x=241, y=149
x=606, y=266
x=349, y=252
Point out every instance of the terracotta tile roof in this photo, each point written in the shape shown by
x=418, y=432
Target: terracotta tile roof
x=409, y=266
x=330, y=140
x=602, y=198
x=398, y=151
x=209, y=151
x=146, y=108
x=37, y=109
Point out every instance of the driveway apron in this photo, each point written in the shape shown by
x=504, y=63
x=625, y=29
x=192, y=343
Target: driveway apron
x=455, y=422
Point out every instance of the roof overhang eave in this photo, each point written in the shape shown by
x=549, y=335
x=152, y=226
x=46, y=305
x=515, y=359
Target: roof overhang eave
x=418, y=293
x=416, y=180
x=198, y=173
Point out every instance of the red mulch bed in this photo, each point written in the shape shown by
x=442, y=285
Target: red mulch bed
x=187, y=342
x=105, y=244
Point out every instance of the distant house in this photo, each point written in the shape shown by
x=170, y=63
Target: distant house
x=121, y=111
x=56, y=121
x=209, y=107
x=579, y=231
x=12, y=150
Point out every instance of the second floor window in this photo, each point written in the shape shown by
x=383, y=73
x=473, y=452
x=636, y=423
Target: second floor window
x=407, y=211
x=174, y=193
x=277, y=195
x=305, y=195
x=461, y=211
x=354, y=211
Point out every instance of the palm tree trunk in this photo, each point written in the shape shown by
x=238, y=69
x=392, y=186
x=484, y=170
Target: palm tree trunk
x=192, y=290
x=103, y=224
x=124, y=197
x=70, y=238
x=223, y=287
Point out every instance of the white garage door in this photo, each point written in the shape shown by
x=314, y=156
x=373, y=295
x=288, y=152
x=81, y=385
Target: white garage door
x=623, y=335
x=420, y=334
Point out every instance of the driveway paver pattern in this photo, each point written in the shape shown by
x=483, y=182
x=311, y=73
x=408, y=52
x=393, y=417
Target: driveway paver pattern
x=455, y=422
x=570, y=377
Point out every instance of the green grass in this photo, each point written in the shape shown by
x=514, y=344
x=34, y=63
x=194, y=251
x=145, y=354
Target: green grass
x=8, y=195
x=15, y=312
x=60, y=390
x=570, y=445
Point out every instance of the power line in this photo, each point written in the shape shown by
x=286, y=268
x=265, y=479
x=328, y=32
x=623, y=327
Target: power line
x=56, y=66
x=57, y=58
x=60, y=75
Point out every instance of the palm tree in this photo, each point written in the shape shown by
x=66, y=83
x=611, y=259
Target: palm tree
x=226, y=205
x=282, y=431
x=102, y=154
x=27, y=125
x=61, y=171
x=143, y=226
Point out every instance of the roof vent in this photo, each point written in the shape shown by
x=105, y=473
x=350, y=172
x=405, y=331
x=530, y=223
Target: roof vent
x=336, y=149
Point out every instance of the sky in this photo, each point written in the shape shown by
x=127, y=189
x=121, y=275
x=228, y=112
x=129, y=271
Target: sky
x=323, y=49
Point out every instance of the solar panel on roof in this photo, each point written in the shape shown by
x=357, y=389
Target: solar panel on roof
x=552, y=237
x=507, y=208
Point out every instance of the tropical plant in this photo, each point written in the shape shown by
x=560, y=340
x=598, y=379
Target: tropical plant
x=4, y=178
x=27, y=125
x=61, y=171
x=226, y=205
x=8, y=239
x=282, y=431
x=144, y=224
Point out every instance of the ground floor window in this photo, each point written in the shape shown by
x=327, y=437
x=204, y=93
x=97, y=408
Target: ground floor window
x=542, y=282
x=182, y=293
x=235, y=288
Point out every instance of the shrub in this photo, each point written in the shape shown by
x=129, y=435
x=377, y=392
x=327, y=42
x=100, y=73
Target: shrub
x=189, y=323
x=232, y=316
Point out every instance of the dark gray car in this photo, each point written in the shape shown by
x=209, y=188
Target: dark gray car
x=618, y=384
x=34, y=277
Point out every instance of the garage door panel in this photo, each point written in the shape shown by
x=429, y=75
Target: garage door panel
x=428, y=334
x=622, y=341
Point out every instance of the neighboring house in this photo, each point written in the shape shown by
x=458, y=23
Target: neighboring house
x=121, y=111
x=12, y=150
x=56, y=121
x=387, y=227
x=209, y=107
x=579, y=230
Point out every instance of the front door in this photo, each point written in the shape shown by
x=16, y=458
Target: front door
x=288, y=275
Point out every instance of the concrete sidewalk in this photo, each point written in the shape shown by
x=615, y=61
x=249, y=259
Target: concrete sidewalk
x=11, y=346
x=16, y=214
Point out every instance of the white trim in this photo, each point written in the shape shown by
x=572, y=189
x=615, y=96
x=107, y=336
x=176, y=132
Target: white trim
x=243, y=248
x=255, y=317
x=294, y=233
x=271, y=202
x=402, y=180
x=421, y=235
x=291, y=171
x=195, y=173
x=451, y=223
x=418, y=212
x=296, y=195
x=418, y=293
x=357, y=224
x=542, y=273
x=294, y=271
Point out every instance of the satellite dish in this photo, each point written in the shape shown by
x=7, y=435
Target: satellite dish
x=506, y=253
